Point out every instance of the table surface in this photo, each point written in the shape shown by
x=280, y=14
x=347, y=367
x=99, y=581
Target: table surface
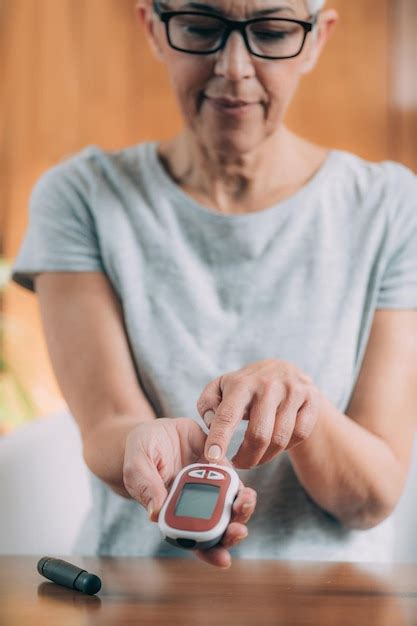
x=188, y=592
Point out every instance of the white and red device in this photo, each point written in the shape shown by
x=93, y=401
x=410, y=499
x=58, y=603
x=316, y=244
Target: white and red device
x=198, y=508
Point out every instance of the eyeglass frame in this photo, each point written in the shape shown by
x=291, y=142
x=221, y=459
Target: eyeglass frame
x=231, y=25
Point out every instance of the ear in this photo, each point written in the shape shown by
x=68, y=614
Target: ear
x=319, y=36
x=146, y=18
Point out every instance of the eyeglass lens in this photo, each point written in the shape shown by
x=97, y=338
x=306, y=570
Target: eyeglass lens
x=198, y=33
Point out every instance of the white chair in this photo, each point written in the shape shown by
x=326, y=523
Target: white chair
x=45, y=492
x=44, y=487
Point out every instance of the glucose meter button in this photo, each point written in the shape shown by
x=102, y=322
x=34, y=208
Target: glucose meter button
x=197, y=473
x=215, y=475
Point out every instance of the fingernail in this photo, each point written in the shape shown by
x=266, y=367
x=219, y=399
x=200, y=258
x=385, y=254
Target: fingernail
x=214, y=452
x=246, y=506
x=208, y=417
x=150, y=510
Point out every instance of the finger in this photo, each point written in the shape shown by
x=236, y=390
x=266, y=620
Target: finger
x=191, y=440
x=245, y=501
x=235, y=533
x=304, y=424
x=244, y=506
x=219, y=554
x=144, y=483
x=228, y=414
x=208, y=417
x=259, y=432
x=210, y=413
x=283, y=430
x=209, y=400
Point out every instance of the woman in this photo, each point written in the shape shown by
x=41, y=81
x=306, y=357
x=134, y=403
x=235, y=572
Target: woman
x=240, y=274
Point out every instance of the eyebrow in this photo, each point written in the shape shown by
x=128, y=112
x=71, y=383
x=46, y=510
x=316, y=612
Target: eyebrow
x=208, y=8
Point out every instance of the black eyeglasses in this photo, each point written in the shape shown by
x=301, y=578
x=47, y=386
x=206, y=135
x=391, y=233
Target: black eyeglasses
x=197, y=32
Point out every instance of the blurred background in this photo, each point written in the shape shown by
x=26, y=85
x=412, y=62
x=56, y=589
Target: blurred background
x=79, y=72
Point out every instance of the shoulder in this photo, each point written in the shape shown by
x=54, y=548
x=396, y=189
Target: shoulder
x=384, y=185
x=82, y=170
x=366, y=174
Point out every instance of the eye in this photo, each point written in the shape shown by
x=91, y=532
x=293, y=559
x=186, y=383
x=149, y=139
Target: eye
x=191, y=25
x=270, y=34
x=270, y=31
x=202, y=32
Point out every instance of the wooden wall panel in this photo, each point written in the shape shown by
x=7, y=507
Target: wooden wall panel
x=403, y=82
x=77, y=73
x=80, y=72
x=343, y=103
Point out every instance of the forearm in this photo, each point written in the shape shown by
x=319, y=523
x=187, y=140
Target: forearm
x=104, y=450
x=347, y=470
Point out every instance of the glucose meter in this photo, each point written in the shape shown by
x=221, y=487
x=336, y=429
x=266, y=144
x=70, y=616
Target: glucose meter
x=198, y=508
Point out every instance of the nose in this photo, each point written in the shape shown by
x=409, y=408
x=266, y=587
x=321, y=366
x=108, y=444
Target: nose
x=234, y=61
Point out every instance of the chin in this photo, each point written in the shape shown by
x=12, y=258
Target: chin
x=228, y=141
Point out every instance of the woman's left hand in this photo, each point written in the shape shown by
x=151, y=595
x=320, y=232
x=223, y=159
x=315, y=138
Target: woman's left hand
x=280, y=401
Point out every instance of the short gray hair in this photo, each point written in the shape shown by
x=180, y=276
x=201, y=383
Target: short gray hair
x=315, y=5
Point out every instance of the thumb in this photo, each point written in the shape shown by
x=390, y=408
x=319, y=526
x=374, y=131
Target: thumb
x=147, y=487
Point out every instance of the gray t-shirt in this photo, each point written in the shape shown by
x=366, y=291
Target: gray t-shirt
x=205, y=293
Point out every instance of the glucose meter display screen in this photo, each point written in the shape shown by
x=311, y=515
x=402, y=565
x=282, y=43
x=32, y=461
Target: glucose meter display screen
x=197, y=500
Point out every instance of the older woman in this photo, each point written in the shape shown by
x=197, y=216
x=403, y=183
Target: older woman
x=242, y=275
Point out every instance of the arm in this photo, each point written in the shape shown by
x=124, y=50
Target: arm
x=355, y=465
x=90, y=355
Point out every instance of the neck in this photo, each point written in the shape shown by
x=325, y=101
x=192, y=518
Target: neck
x=228, y=180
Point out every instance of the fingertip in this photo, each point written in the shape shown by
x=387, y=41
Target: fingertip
x=214, y=453
x=153, y=513
x=208, y=417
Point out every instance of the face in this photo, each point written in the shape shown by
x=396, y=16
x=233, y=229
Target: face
x=266, y=86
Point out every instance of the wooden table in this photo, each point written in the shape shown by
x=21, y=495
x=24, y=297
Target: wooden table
x=177, y=592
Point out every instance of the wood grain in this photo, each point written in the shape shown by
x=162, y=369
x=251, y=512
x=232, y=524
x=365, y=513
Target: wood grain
x=177, y=592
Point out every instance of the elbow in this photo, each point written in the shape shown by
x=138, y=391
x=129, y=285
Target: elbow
x=368, y=516
x=363, y=522
x=375, y=506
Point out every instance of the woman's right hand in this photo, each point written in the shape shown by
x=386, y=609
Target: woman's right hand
x=155, y=452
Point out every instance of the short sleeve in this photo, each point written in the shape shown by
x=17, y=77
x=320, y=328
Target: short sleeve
x=398, y=287
x=61, y=233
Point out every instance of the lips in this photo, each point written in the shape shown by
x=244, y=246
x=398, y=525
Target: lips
x=231, y=103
